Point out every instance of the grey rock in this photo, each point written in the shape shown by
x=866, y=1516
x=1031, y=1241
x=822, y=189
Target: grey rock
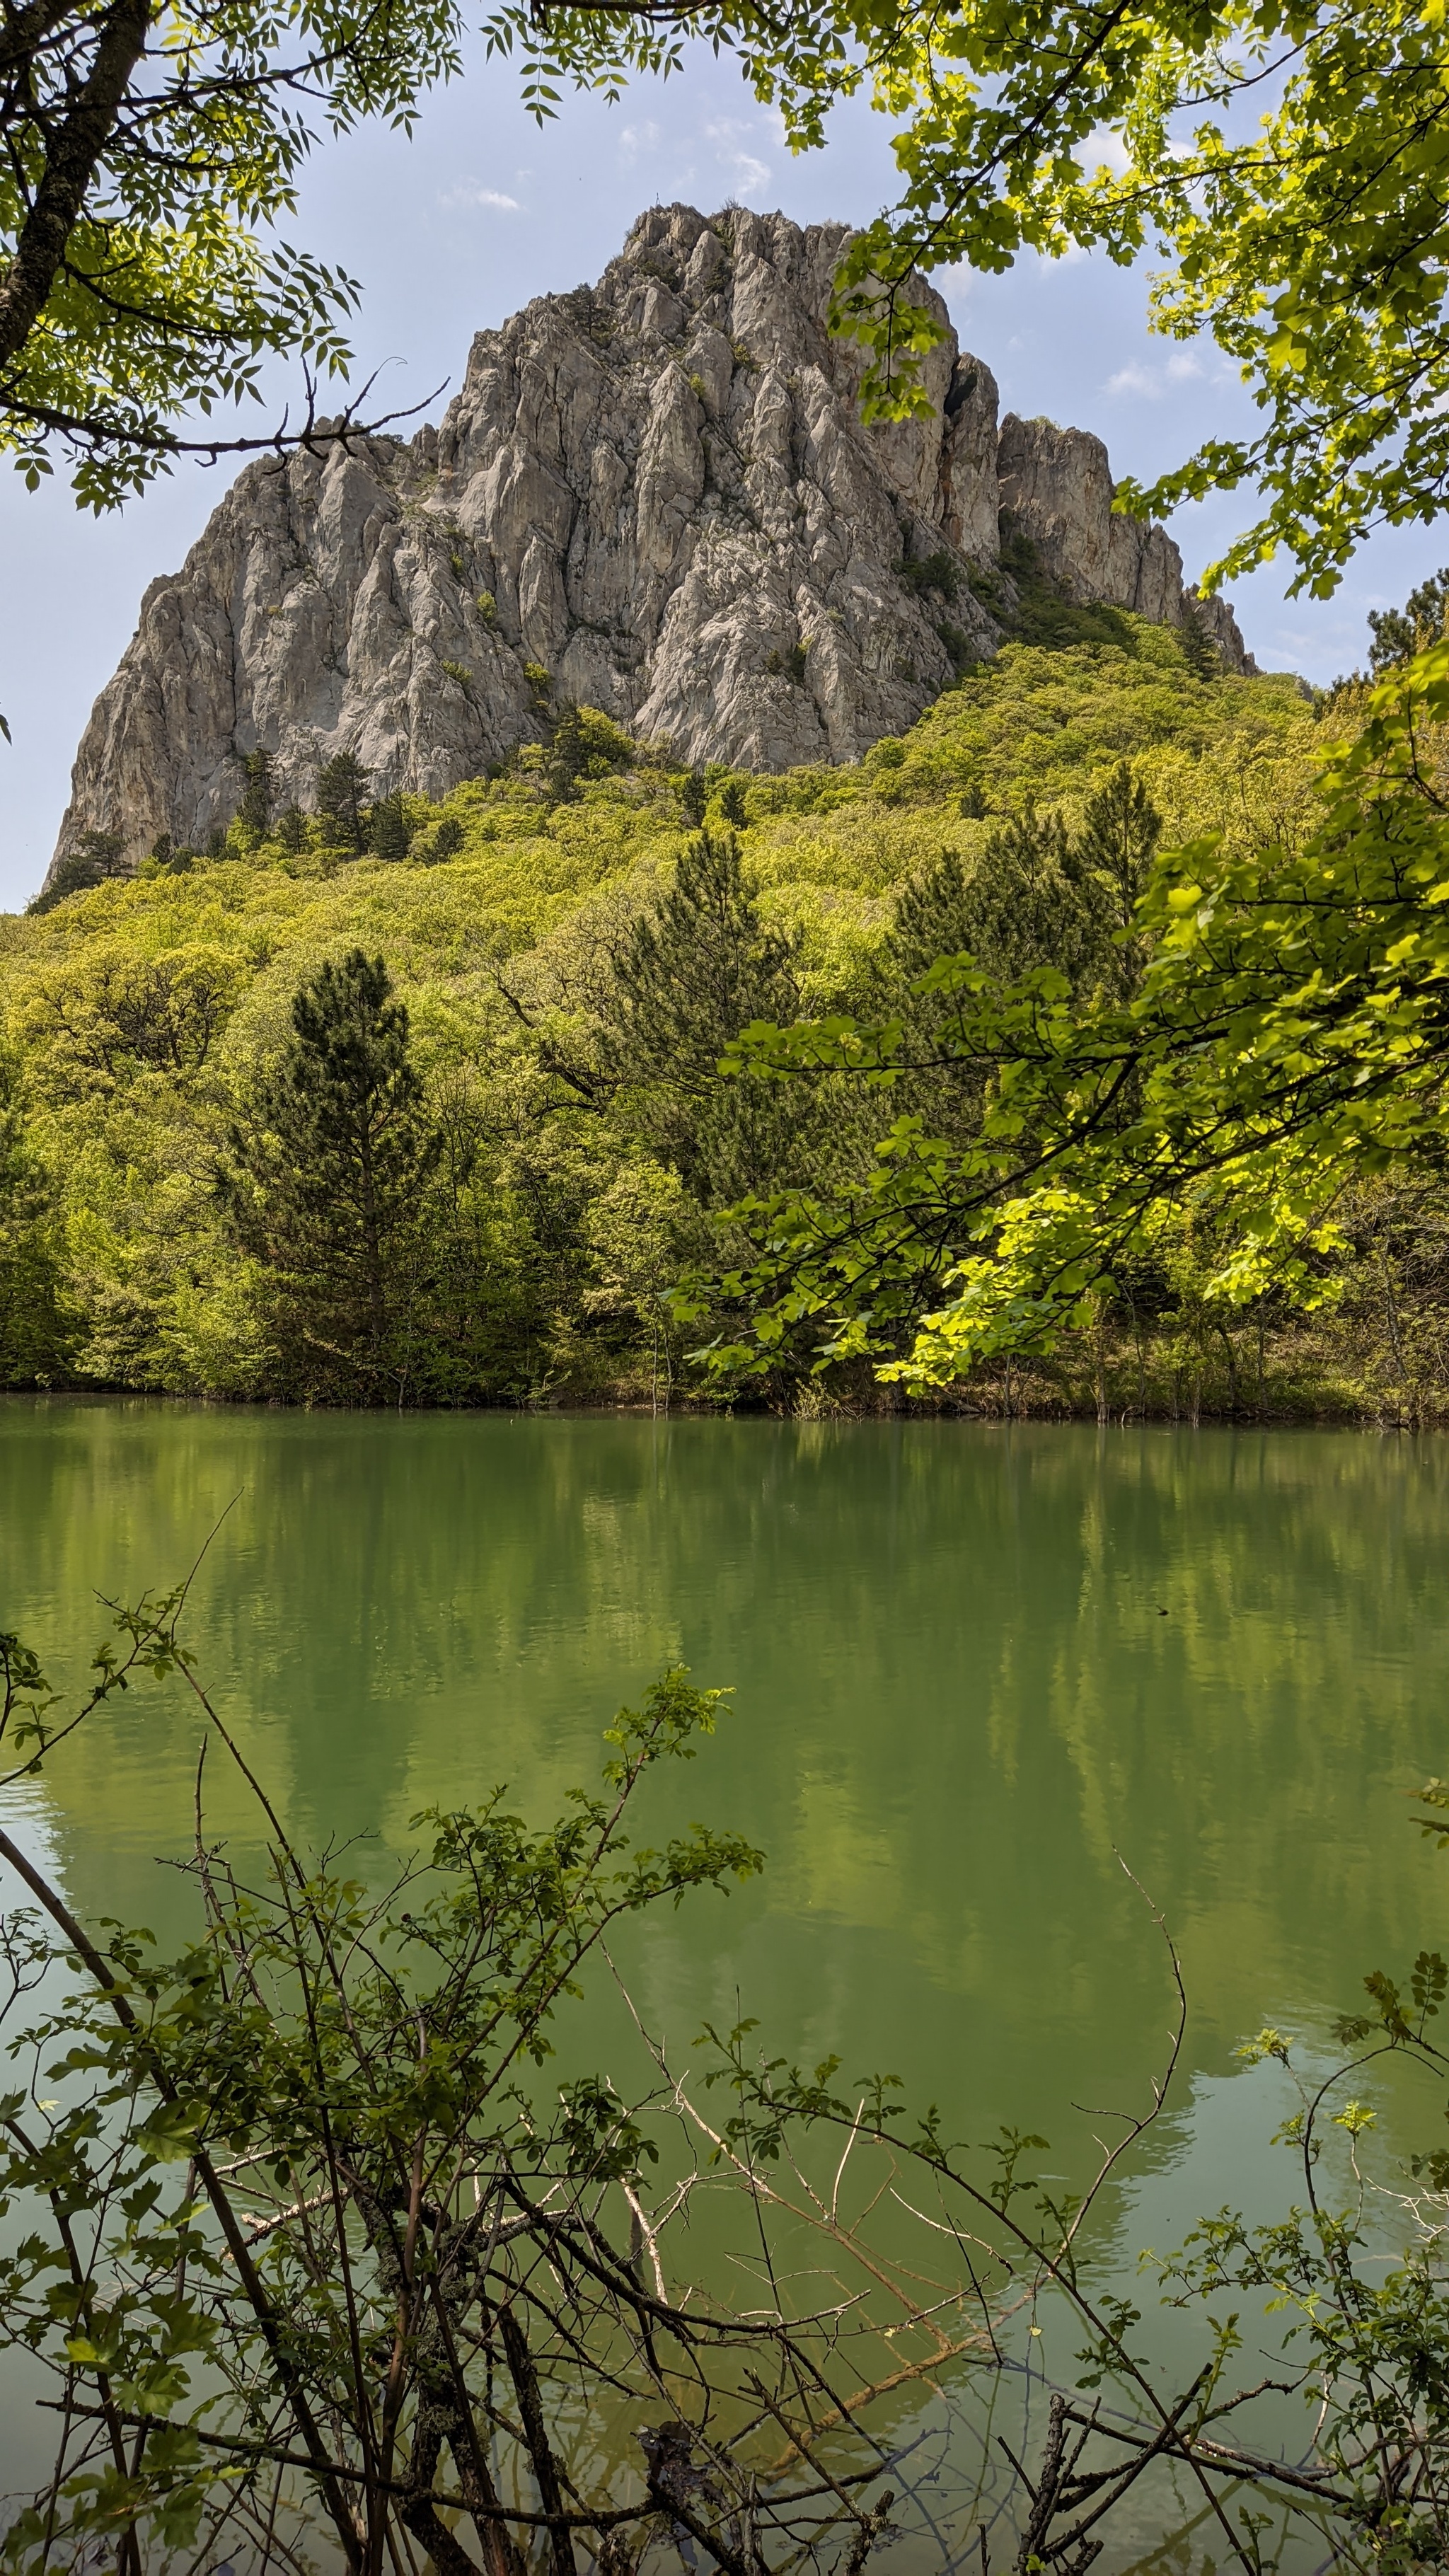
x=1056, y=486
x=661, y=490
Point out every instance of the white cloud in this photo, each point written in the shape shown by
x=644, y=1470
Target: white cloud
x=730, y=136
x=1135, y=380
x=1149, y=384
x=638, y=139
x=1102, y=145
x=684, y=161
x=469, y=194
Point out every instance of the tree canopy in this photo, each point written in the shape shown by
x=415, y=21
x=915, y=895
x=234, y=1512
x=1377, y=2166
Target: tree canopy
x=574, y=961
x=150, y=164
x=1289, y=165
x=1288, y=1035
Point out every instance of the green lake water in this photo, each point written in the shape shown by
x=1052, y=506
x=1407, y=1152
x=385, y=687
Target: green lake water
x=974, y=1671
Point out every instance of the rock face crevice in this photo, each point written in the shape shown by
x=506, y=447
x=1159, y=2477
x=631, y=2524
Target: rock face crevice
x=658, y=491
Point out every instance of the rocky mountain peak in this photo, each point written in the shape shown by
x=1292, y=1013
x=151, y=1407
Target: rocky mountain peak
x=655, y=496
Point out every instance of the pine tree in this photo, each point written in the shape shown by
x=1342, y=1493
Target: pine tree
x=255, y=810
x=1199, y=650
x=692, y=798
x=694, y=972
x=292, y=830
x=1022, y=905
x=95, y=857
x=732, y=804
x=700, y=966
x=326, y=1182
x=446, y=841
x=1399, y=633
x=1121, y=828
x=1028, y=901
x=934, y=915
x=568, y=757
x=387, y=831
x=342, y=790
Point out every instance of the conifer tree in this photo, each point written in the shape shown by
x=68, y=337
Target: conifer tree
x=692, y=797
x=568, y=757
x=102, y=853
x=170, y=858
x=699, y=966
x=934, y=915
x=387, y=831
x=695, y=971
x=937, y=913
x=255, y=810
x=1121, y=828
x=1024, y=904
x=327, y=1180
x=445, y=842
x=1199, y=650
x=342, y=788
x=1399, y=633
x=95, y=857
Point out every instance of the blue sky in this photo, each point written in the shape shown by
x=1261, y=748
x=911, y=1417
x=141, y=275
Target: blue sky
x=456, y=229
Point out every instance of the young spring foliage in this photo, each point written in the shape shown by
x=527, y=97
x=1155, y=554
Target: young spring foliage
x=315, y=2241
x=1285, y=1039
x=148, y=184
x=573, y=960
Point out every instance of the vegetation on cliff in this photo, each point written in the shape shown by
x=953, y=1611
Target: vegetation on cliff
x=244, y=1158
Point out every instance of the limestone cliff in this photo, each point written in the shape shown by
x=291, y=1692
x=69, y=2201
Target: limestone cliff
x=658, y=490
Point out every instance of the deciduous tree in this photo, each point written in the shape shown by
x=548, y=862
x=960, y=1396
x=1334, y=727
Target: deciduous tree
x=1288, y=1038
x=1288, y=169
x=149, y=170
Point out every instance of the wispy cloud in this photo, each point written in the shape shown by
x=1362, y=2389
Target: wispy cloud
x=1149, y=384
x=468, y=194
x=728, y=153
x=637, y=140
x=731, y=136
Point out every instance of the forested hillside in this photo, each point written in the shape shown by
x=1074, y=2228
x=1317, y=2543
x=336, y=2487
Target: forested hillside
x=410, y=1103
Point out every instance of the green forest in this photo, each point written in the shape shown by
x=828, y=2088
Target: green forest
x=400, y=1103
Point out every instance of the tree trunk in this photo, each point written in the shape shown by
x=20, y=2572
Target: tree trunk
x=74, y=148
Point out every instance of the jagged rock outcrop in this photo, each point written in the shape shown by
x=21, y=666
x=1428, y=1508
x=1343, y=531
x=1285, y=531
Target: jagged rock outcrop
x=1056, y=486
x=659, y=492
